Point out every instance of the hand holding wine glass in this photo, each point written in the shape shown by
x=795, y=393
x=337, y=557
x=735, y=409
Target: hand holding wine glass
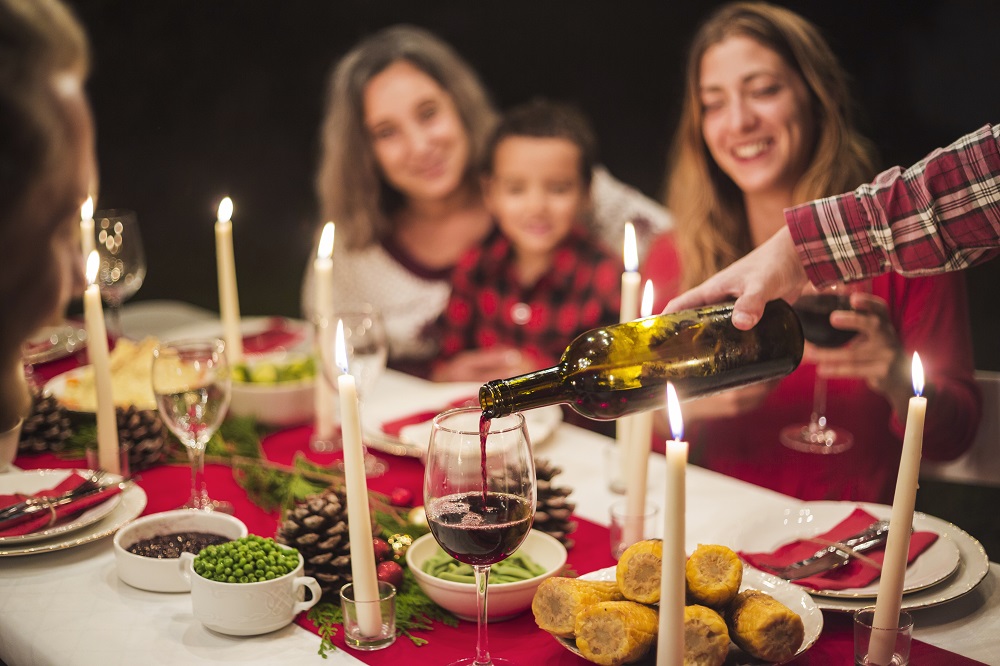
x=191, y=382
x=123, y=260
x=479, y=493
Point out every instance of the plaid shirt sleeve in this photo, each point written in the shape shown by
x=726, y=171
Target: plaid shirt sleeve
x=942, y=214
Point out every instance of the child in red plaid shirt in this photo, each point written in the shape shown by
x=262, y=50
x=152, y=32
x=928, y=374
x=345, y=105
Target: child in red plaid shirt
x=542, y=278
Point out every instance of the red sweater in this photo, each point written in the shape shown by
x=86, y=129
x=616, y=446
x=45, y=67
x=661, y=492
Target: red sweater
x=930, y=315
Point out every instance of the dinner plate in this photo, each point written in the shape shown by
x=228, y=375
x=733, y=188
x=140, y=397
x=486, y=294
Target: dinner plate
x=955, y=563
x=54, y=342
x=790, y=595
x=30, y=482
x=133, y=501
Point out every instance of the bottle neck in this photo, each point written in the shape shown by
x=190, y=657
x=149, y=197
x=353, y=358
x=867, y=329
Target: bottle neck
x=501, y=397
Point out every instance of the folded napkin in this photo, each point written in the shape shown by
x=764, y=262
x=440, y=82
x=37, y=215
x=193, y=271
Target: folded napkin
x=395, y=426
x=856, y=573
x=280, y=333
x=44, y=519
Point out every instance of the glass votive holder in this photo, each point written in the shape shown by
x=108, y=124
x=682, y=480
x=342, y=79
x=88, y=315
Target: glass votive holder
x=894, y=642
x=613, y=464
x=369, y=625
x=92, y=456
x=627, y=529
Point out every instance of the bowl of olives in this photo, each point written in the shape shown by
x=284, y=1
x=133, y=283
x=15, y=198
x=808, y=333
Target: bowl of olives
x=275, y=388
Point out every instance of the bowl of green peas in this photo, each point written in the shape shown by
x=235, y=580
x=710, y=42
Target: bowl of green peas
x=249, y=586
x=451, y=584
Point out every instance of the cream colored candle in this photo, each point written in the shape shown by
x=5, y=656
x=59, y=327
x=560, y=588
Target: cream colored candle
x=670, y=642
x=108, y=454
x=87, y=227
x=631, y=283
x=640, y=433
x=323, y=307
x=358, y=516
x=890, y=585
x=229, y=302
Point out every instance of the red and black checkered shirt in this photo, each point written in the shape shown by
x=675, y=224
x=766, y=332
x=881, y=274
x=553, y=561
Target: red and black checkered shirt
x=941, y=214
x=582, y=290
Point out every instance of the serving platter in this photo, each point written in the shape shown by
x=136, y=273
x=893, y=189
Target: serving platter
x=33, y=481
x=790, y=595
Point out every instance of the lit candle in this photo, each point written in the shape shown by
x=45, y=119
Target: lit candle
x=629, y=311
x=229, y=303
x=323, y=306
x=890, y=585
x=640, y=434
x=358, y=516
x=108, y=455
x=87, y=227
x=670, y=642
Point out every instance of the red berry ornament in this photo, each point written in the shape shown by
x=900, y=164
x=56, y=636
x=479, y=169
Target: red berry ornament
x=383, y=551
x=390, y=572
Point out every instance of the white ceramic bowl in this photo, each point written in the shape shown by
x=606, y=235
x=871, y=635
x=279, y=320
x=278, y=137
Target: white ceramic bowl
x=505, y=599
x=163, y=575
x=281, y=404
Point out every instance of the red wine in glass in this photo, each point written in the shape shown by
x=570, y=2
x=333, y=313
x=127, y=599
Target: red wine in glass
x=814, y=314
x=479, y=533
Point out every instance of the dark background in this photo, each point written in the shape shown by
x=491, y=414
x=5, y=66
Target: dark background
x=196, y=99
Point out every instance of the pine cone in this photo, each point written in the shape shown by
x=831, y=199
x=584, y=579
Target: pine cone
x=553, y=510
x=317, y=527
x=143, y=432
x=47, y=428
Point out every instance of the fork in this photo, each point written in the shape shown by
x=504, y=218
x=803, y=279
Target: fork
x=90, y=485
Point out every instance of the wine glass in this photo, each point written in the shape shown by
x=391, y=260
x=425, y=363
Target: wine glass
x=123, y=261
x=814, y=308
x=367, y=353
x=191, y=382
x=476, y=522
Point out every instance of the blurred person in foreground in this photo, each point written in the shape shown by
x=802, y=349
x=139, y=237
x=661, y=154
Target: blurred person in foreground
x=941, y=214
x=766, y=123
x=47, y=167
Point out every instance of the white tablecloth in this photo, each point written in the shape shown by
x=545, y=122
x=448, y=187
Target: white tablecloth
x=69, y=607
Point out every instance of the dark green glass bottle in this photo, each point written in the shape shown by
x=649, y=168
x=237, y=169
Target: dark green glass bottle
x=609, y=372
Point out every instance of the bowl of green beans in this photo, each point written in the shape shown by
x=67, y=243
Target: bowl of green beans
x=451, y=584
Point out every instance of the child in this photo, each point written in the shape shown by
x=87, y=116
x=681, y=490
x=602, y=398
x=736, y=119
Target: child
x=540, y=279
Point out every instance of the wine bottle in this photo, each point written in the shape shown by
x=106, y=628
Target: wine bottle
x=609, y=372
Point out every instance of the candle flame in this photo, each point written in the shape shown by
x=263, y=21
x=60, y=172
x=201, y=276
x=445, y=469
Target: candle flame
x=93, y=263
x=325, y=250
x=340, y=348
x=225, y=210
x=629, y=253
x=917, y=372
x=646, y=309
x=674, y=412
x=87, y=209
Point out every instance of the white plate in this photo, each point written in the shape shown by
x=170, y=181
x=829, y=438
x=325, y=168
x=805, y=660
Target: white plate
x=54, y=342
x=30, y=482
x=414, y=439
x=133, y=501
x=248, y=326
x=951, y=567
x=790, y=595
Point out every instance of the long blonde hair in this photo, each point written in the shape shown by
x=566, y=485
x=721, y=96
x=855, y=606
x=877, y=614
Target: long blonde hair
x=350, y=187
x=712, y=229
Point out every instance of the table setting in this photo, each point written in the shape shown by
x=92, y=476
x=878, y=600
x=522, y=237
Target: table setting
x=325, y=435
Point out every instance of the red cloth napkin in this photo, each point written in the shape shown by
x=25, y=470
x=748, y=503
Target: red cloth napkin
x=43, y=519
x=857, y=573
x=280, y=333
x=395, y=426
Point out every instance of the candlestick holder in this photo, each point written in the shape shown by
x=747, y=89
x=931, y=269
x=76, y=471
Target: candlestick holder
x=351, y=608
x=900, y=637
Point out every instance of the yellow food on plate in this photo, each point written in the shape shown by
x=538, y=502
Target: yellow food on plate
x=616, y=632
x=714, y=574
x=706, y=638
x=638, y=571
x=131, y=378
x=559, y=600
x=764, y=627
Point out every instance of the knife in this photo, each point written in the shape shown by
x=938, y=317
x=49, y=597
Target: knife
x=46, y=504
x=837, y=555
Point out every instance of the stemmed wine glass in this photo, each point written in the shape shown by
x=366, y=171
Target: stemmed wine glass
x=367, y=353
x=123, y=261
x=814, y=308
x=476, y=522
x=191, y=382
